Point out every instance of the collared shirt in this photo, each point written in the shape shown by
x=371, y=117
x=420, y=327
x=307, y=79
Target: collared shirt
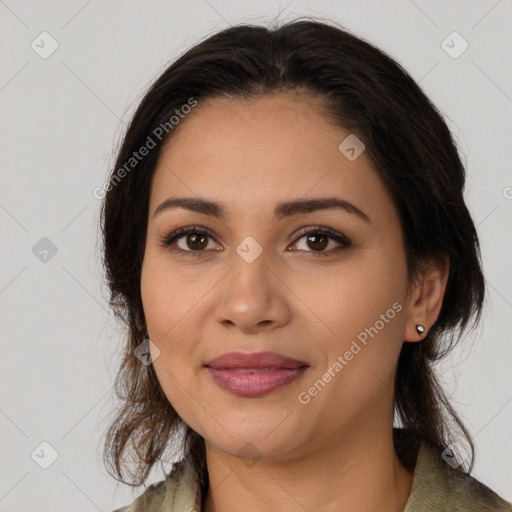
x=436, y=487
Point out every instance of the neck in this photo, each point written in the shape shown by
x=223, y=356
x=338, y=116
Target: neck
x=359, y=472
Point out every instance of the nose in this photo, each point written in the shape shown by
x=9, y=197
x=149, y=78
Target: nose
x=253, y=297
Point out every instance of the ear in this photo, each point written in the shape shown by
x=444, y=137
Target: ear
x=426, y=298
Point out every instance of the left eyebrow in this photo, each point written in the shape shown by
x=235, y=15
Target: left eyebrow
x=281, y=211
x=303, y=206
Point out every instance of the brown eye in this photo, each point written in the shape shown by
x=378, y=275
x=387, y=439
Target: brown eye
x=191, y=241
x=195, y=241
x=317, y=239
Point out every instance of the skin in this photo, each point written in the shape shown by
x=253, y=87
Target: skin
x=251, y=155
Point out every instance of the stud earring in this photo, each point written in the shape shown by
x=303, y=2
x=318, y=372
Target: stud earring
x=420, y=329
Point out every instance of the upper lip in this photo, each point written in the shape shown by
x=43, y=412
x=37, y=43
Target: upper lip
x=243, y=360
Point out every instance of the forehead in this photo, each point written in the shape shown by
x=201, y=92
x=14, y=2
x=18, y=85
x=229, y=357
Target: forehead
x=259, y=151
x=257, y=119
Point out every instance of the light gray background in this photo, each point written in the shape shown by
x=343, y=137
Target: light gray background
x=60, y=119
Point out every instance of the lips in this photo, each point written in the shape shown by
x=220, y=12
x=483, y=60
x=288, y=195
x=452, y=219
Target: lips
x=256, y=374
x=256, y=360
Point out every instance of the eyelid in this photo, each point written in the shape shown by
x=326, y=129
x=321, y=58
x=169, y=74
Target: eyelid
x=331, y=233
x=338, y=237
x=175, y=235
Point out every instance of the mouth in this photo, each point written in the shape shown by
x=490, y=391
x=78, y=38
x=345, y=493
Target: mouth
x=254, y=361
x=254, y=375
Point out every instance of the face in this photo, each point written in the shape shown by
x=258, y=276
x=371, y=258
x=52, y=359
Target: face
x=324, y=286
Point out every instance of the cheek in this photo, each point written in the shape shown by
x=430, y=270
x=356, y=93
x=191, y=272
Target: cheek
x=171, y=306
x=344, y=301
x=166, y=304
x=357, y=313
x=167, y=297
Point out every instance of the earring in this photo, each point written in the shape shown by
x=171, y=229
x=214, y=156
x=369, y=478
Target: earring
x=420, y=329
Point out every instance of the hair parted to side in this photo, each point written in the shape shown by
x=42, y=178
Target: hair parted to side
x=365, y=92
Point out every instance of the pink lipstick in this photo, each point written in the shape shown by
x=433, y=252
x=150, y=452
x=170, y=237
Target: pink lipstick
x=255, y=374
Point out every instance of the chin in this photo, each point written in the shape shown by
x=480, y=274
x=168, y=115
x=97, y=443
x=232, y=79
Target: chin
x=253, y=443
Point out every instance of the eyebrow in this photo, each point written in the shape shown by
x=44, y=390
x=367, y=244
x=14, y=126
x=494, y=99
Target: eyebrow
x=281, y=211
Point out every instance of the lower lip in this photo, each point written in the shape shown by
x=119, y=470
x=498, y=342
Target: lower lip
x=257, y=383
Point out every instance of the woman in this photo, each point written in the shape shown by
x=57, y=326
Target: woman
x=286, y=238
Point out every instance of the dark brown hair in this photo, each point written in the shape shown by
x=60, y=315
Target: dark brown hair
x=365, y=92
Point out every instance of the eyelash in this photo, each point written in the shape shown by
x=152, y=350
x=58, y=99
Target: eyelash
x=167, y=240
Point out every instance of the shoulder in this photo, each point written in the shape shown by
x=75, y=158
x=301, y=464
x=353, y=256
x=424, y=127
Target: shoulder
x=151, y=500
x=438, y=486
x=180, y=491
